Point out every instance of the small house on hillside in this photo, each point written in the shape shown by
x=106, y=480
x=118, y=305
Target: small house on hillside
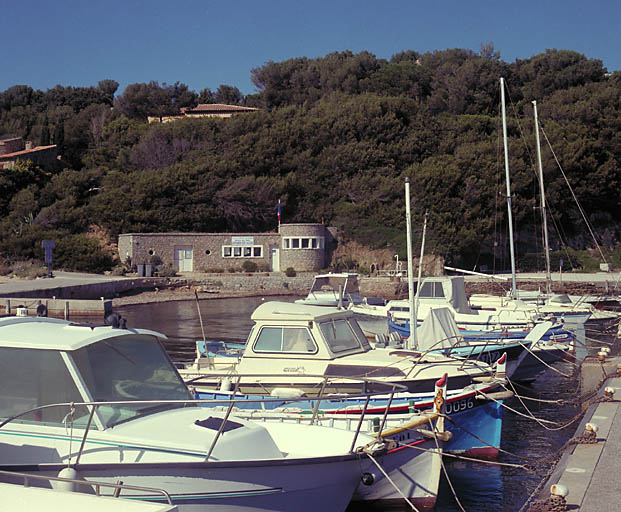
x=14, y=149
x=205, y=110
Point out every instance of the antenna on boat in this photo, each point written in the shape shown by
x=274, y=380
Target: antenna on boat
x=412, y=342
x=504, y=136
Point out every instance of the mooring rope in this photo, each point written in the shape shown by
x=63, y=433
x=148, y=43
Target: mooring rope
x=390, y=480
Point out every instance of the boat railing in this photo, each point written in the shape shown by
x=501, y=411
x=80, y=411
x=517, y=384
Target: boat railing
x=229, y=402
x=118, y=487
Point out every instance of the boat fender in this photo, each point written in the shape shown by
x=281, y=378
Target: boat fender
x=498, y=395
x=71, y=484
x=442, y=436
x=368, y=478
x=226, y=385
x=287, y=393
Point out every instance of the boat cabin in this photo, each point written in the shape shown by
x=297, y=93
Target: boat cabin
x=47, y=361
x=294, y=342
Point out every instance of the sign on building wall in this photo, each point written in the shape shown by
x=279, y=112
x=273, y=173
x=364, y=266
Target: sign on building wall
x=242, y=241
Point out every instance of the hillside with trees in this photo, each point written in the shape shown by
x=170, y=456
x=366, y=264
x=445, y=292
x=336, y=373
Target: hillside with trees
x=334, y=139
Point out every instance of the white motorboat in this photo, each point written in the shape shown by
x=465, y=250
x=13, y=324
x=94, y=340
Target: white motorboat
x=70, y=495
x=447, y=292
x=556, y=305
x=333, y=289
x=410, y=471
x=306, y=351
x=312, y=343
x=109, y=404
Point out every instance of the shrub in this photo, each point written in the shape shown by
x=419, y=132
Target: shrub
x=166, y=271
x=29, y=270
x=5, y=268
x=232, y=270
x=290, y=272
x=263, y=267
x=249, y=266
x=363, y=269
x=119, y=270
x=156, y=260
x=77, y=252
x=216, y=270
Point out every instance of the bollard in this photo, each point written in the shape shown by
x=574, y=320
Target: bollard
x=559, y=490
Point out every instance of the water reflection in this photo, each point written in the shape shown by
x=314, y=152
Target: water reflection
x=223, y=319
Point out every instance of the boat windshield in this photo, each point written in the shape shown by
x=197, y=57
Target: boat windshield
x=131, y=367
x=343, y=335
x=30, y=379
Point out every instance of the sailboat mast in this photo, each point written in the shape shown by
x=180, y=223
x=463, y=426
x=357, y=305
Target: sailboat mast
x=543, y=206
x=420, y=268
x=412, y=344
x=504, y=136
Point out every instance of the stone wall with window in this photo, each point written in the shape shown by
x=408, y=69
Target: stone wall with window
x=304, y=247
x=199, y=252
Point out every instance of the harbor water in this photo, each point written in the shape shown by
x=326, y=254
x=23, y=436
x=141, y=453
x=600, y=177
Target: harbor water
x=528, y=446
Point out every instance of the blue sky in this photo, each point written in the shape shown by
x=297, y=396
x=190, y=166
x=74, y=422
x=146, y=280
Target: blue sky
x=205, y=43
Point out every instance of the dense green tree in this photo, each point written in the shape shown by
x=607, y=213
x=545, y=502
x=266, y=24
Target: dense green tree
x=228, y=95
x=333, y=140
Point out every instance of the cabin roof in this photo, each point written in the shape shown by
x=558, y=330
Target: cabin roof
x=53, y=334
x=290, y=311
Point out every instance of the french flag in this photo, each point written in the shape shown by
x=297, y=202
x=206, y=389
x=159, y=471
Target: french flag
x=279, y=211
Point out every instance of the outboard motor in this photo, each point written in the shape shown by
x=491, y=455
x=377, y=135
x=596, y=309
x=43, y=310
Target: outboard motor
x=381, y=340
x=395, y=340
x=116, y=321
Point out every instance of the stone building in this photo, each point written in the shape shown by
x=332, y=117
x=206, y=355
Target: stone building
x=304, y=247
x=14, y=149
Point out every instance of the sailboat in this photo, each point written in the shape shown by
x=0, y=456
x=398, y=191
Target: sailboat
x=547, y=303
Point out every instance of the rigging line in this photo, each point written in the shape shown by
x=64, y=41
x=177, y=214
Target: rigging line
x=390, y=480
x=481, y=461
x=573, y=195
x=540, y=422
x=446, y=475
x=562, y=237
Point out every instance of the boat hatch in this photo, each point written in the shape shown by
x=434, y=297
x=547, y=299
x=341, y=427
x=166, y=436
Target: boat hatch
x=216, y=423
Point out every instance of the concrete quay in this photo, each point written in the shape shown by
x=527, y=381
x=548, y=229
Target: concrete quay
x=68, y=293
x=591, y=473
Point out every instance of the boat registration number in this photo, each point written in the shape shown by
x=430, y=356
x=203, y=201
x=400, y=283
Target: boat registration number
x=459, y=405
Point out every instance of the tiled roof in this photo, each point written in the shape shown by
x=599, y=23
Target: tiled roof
x=217, y=107
x=25, y=152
